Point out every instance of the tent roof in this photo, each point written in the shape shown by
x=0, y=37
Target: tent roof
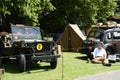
x=77, y=30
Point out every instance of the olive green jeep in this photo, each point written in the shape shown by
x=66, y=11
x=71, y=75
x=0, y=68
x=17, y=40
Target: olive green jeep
x=26, y=45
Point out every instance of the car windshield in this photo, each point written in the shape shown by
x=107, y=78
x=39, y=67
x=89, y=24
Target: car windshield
x=95, y=34
x=25, y=33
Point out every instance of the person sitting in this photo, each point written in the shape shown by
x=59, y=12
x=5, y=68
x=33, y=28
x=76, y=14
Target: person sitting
x=99, y=54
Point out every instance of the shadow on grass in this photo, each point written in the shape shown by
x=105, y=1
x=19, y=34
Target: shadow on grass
x=34, y=68
x=12, y=66
x=81, y=57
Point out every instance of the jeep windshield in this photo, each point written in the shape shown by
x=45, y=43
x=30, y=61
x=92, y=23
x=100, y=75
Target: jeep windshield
x=25, y=33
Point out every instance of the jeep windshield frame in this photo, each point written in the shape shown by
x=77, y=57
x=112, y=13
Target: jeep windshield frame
x=23, y=33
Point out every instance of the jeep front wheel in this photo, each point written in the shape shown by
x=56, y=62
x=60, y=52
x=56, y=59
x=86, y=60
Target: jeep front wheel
x=22, y=62
x=53, y=63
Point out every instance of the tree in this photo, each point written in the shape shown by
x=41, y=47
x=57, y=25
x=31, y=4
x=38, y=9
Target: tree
x=25, y=11
x=81, y=12
x=117, y=11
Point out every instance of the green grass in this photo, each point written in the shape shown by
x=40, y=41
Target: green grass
x=74, y=66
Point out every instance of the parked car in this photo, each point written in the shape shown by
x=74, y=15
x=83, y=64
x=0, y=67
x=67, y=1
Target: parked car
x=26, y=45
x=109, y=36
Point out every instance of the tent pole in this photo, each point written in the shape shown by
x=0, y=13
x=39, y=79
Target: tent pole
x=62, y=63
x=62, y=67
x=69, y=40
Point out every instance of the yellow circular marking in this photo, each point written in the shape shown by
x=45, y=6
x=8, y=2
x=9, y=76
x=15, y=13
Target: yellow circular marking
x=39, y=46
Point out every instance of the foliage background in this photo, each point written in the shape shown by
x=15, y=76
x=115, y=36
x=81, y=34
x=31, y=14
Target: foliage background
x=56, y=14
x=81, y=12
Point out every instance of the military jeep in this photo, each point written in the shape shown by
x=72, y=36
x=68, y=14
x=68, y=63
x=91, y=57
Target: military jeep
x=110, y=37
x=26, y=45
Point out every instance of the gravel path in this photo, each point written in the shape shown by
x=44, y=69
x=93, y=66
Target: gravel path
x=113, y=75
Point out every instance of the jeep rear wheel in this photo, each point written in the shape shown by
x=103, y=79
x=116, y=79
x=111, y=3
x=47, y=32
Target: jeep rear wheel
x=22, y=62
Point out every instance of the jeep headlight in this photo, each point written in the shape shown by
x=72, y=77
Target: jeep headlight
x=39, y=46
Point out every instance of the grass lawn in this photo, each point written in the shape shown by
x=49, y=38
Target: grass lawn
x=74, y=66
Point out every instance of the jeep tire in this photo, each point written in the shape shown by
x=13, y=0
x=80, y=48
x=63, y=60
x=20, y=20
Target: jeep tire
x=53, y=63
x=22, y=62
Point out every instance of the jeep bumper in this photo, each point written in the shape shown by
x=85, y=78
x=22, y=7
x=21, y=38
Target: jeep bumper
x=44, y=57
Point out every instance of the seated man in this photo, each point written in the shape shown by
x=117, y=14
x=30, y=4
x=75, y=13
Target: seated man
x=99, y=54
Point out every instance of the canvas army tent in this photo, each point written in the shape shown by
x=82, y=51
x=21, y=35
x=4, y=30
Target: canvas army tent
x=71, y=38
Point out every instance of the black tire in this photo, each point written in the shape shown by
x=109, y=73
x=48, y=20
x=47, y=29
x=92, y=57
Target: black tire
x=22, y=62
x=109, y=50
x=53, y=63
